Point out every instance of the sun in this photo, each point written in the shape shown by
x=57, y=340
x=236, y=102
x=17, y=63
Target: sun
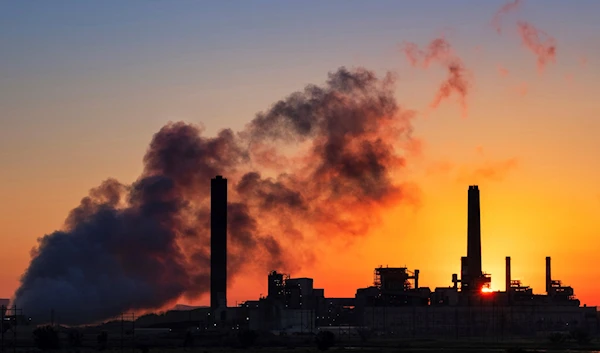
x=486, y=290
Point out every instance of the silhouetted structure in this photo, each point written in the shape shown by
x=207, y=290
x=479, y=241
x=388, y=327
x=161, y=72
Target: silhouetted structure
x=394, y=305
x=218, y=242
x=472, y=278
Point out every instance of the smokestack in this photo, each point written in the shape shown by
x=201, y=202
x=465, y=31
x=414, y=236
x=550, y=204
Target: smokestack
x=474, y=235
x=218, y=242
x=417, y=279
x=508, y=277
x=548, y=275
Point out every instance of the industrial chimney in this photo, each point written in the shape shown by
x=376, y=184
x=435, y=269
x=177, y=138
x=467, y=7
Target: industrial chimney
x=218, y=242
x=508, y=276
x=473, y=237
x=548, y=276
x=417, y=279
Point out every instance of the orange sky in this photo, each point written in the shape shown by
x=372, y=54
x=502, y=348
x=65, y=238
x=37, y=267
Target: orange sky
x=529, y=141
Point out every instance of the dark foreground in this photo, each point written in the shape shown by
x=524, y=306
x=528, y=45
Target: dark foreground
x=391, y=346
x=117, y=339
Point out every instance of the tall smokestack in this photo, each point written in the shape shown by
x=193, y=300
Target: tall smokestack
x=508, y=277
x=474, y=235
x=218, y=242
x=548, y=275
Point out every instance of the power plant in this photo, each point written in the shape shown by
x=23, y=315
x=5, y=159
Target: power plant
x=394, y=305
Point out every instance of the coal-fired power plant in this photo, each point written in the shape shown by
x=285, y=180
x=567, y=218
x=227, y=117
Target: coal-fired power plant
x=393, y=305
x=218, y=242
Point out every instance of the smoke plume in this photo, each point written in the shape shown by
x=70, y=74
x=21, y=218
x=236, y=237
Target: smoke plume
x=539, y=43
x=504, y=10
x=144, y=245
x=440, y=51
x=489, y=170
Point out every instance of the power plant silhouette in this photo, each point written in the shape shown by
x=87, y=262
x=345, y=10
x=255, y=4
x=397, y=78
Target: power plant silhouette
x=395, y=302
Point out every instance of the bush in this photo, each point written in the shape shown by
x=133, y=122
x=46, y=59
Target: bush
x=102, y=340
x=46, y=338
x=325, y=340
x=247, y=338
x=75, y=338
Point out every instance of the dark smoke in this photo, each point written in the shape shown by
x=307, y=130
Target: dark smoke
x=328, y=156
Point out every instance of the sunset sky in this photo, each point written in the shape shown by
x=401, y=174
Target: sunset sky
x=84, y=85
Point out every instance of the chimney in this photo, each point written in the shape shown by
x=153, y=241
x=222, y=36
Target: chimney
x=508, y=277
x=473, y=235
x=417, y=279
x=218, y=242
x=548, y=275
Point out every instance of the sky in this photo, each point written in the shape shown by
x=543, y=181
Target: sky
x=84, y=85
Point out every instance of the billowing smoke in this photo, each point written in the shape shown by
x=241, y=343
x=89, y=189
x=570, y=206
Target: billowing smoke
x=440, y=51
x=316, y=165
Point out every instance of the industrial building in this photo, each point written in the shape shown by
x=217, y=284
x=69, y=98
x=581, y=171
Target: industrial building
x=395, y=304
